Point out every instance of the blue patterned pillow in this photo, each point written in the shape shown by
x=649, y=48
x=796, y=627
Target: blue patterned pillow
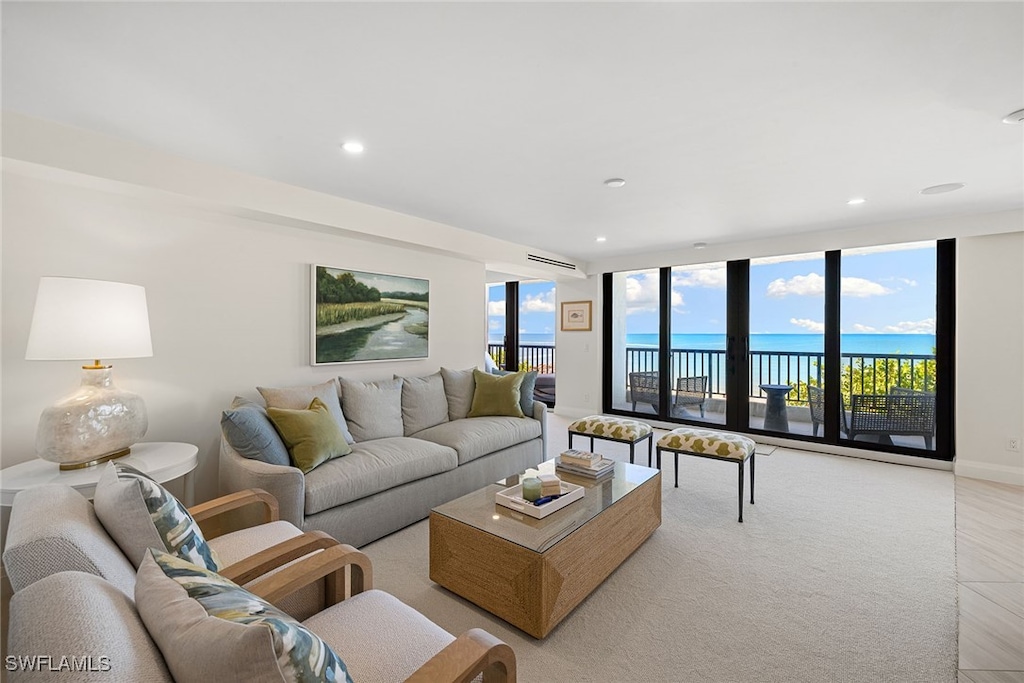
x=300, y=654
x=139, y=513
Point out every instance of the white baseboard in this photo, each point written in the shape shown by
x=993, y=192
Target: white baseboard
x=1004, y=474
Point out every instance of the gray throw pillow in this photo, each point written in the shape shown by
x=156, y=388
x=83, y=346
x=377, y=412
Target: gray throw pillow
x=299, y=398
x=459, y=386
x=525, y=391
x=374, y=409
x=424, y=404
x=248, y=430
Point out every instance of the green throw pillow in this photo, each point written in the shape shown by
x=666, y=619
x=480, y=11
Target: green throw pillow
x=496, y=395
x=312, y=435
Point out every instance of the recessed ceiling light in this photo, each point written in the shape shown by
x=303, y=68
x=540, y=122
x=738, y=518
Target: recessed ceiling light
x=700, y=245
x=615, y=182
x=352, y=146
x=1015, y=117
x=941, y=189
x=601, y=239
x=856, y=200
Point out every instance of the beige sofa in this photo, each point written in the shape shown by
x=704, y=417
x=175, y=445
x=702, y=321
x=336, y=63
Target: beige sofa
x=413, y=448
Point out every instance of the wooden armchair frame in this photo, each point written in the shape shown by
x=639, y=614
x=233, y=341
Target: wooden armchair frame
x=472, y=653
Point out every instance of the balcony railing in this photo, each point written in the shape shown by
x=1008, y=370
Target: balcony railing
x=539, y=357
x=861, y=373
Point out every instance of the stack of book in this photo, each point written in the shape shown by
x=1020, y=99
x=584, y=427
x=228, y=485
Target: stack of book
x=584, y=464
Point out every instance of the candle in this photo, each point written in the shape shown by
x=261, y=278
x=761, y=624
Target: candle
x=531, y=488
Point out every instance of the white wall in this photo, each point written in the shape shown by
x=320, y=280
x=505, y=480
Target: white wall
x=228, y=300
x=990, y=357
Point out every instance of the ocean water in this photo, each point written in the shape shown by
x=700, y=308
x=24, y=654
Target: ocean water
x=867, y=344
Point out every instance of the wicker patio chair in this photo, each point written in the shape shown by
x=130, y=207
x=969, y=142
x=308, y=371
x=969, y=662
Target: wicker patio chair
x=691, y=391
x=901, y=412
x=816, y=402
x=643, y=388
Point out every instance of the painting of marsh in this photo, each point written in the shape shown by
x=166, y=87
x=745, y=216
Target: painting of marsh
x=361, y=316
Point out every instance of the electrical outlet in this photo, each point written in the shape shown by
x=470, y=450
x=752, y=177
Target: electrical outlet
x=586, y=398
x=1013, y=444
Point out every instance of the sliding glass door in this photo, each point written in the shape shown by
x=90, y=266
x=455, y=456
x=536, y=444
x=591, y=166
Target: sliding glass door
x=852, y=348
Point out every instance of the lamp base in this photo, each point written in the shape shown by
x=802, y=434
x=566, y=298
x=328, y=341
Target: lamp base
x=95, y=423
x=103, y=458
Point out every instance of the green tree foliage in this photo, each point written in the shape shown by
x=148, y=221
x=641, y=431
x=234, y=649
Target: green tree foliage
x=877, y=376
x=407, y=296
x=342, y=289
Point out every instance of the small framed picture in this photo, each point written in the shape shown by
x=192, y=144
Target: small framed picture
x=576, y=316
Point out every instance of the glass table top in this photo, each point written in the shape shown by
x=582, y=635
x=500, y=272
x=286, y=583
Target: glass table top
x=478, y=509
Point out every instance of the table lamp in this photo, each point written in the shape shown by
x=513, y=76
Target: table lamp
x=78, y=319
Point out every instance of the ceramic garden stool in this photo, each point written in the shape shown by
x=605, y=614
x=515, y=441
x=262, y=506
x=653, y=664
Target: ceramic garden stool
x=705, y=443
x=614, y=429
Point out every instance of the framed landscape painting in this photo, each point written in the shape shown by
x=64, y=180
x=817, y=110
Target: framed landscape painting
x=359, y=316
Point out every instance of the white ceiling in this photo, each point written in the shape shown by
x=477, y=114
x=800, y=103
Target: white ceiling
x=729, y=121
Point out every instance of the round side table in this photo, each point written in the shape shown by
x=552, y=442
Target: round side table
x=775, y=417
x=161, y=460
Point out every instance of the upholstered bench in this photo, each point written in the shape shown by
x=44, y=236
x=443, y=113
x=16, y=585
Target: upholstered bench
x=705, y=443
x=616, y=429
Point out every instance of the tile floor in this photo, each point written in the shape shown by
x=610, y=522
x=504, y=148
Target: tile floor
x=990, y=574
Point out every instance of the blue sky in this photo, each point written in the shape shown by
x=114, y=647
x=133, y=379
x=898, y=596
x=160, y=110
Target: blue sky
x=884, y=291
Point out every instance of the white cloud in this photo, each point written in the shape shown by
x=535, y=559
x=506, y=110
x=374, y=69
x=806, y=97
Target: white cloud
x=926, y=326
x=496, y=307
x=642, y=293
x=539, y=303
x=713, y=278
x=812, y=325
x=864, y=329
x=813, y=284
x=908, y=282
x=497, y=324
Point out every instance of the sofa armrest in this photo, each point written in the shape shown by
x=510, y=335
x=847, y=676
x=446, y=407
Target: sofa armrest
x=275, y=556
x=286, y=484
x=474, y=652
x=211, y=515
x=540, y=413
x=328, y=565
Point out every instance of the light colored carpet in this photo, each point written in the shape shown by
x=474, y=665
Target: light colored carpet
x=844, y=570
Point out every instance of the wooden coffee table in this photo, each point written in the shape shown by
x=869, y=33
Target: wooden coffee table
x=533, y=572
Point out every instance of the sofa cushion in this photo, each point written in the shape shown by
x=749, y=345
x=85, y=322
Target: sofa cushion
x=297, y=398
x=312, y=435
x=526, y=391
x=476, y=436
x=210, y=629
x=496, y=395
x=248, y=430
x=374, y=408
x=458, y=389
x=423, y=402
x=375, y=466
x=139, y=514
x=355, y=628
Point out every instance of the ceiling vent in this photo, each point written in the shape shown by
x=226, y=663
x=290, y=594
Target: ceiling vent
x=550, y=261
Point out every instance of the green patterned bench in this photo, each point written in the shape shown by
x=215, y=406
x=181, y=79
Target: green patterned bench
x=614, y=429
x=705, y=443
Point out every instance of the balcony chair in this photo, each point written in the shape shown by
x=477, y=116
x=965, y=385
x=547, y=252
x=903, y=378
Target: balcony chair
x=816, y=402
x=691, y=391
x=643, y=388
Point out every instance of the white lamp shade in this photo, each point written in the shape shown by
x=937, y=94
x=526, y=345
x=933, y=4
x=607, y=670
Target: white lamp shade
x=79, y=319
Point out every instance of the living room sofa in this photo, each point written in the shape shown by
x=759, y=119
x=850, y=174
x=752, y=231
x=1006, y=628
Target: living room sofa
x=413, y=446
